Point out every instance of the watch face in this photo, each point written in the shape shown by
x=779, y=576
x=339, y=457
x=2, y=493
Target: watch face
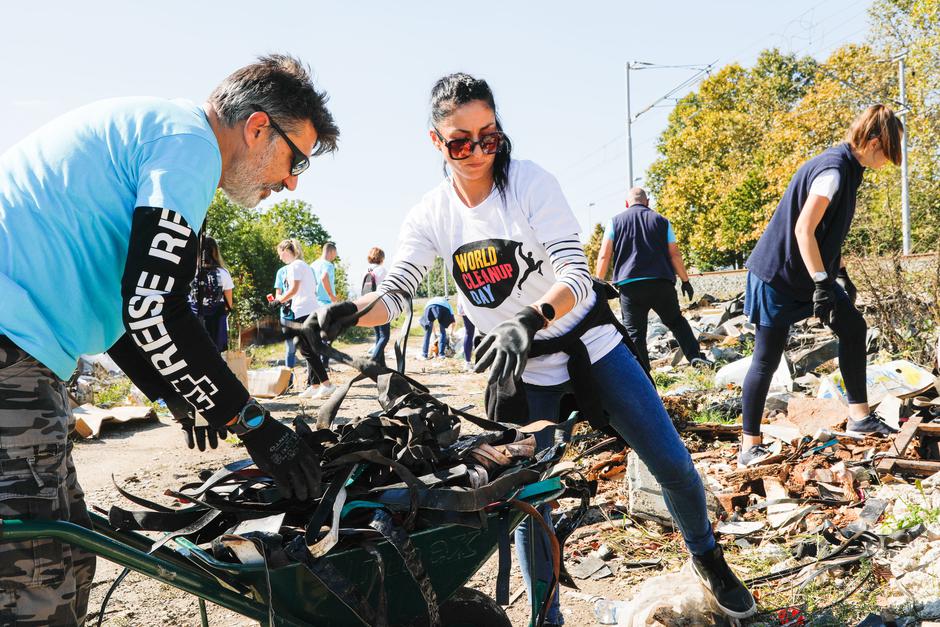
x=548, y=311
x=252, y=415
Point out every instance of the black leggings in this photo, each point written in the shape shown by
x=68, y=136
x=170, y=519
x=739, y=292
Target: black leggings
x=849, y=326
x=469, y=331
x=316, y=372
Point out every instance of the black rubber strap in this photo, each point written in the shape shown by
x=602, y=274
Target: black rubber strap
x=396, y=536
x=333, y=580
x=505, y=559
x=381, y=609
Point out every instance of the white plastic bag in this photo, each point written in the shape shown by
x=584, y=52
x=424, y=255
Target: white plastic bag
x=674, y=595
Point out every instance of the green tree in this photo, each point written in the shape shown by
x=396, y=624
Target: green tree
x=248, y=239
x=708, y=181
x=593, y=247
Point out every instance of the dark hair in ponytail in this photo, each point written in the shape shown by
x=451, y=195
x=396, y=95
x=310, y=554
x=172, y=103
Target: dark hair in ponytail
x=458, y=89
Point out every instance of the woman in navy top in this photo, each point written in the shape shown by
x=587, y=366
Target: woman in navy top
x=797, y=271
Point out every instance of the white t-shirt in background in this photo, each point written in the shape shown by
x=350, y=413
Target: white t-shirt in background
x=304, y=302
x=496, y=256
x=225, y=279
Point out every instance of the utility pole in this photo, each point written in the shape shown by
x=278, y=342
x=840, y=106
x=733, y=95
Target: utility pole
x=905, y=200
x=629, y=133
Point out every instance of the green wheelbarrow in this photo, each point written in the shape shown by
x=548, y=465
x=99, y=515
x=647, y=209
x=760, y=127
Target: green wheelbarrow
x=291, y=595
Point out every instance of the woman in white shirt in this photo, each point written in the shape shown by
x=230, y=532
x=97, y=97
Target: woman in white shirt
x=302, y=294
x=512, y=244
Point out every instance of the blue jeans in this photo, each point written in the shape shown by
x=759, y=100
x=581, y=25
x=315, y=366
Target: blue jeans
x=441, y=344
x=290, y=350
x=638, y=415
x=383, y=334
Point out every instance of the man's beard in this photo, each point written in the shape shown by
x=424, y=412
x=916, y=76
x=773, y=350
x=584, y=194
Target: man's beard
x=241, y=184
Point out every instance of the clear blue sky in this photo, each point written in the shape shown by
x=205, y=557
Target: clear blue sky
x=557, y=69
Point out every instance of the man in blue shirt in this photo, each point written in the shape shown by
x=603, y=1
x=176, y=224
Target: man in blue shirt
x=99, y=215
x=325, y=274
x=646, y=261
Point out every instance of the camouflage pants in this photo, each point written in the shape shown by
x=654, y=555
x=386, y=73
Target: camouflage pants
x=42, y=582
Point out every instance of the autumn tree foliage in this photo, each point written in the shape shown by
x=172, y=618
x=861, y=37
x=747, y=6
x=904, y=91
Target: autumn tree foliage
x=730, y=148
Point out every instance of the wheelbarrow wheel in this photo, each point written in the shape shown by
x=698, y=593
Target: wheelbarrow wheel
x=471, y=608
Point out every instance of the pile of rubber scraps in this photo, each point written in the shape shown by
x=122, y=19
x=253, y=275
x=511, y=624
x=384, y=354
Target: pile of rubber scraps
x=393, y=472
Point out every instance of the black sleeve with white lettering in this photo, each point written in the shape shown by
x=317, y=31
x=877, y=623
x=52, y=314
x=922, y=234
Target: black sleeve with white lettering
x=161, y=264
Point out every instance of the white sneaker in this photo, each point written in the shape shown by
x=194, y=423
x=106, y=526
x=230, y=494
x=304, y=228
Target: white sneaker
x=325, y=390
x=421, y=357
x=310, y=392
x=468, y=366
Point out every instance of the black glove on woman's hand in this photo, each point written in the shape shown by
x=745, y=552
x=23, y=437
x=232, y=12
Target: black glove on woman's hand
x=687, y=289
x=280, y=452
x=824, y=301
x=328, y=323
x=842, y=278
x=506, y=347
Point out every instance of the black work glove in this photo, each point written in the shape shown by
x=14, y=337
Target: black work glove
x=279, y=452
x=687, y=289
x=326, y=324
x=195, y=428
x=274, y=306
x=824, y=301
x=842, y=278
x=506, y=347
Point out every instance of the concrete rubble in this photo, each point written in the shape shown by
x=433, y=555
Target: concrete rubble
x=855, y=520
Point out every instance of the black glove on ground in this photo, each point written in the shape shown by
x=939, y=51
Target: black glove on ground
x=842, y=278
x=824, y=302
x=687, y=289
x=280, y=452
x=196, y=430
x=506, y=347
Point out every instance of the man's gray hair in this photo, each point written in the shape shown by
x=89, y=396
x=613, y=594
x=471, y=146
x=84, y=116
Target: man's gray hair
x=637, y=196
x=281, y=86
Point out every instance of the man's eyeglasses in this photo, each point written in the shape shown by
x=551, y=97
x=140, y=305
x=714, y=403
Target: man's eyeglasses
x=299, y=161
x=459, y=149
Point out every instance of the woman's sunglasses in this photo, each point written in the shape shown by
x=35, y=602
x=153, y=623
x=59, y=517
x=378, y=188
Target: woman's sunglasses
x=459, y=149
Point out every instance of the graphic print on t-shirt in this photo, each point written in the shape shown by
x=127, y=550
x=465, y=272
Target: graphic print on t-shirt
x=486, y=270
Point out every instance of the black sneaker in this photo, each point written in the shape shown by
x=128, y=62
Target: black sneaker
x=753, y=456
x=702, y=363
x=732, y=597
x=872, y=424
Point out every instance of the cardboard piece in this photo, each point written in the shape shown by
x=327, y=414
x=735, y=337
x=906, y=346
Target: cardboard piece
x=777, y=515
x=238, y=363
x=810, y=415
x=890, y=411
x=88, y=418
x=268, y=382
x=899, y=378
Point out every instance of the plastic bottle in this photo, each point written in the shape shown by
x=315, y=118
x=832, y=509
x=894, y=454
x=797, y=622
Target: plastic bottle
x=606, y=610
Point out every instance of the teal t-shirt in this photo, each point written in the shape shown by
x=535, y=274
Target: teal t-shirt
x=670, y=239
x=67, y=197
x=321, y=267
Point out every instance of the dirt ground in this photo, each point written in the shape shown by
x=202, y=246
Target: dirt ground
x=152, y=457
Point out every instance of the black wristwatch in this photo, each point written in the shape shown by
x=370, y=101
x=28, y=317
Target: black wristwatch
x=547, y=311
x=249, y=418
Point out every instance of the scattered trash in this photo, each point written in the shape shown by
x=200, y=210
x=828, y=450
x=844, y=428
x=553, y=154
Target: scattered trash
x=672, y=599
x=89, y=419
